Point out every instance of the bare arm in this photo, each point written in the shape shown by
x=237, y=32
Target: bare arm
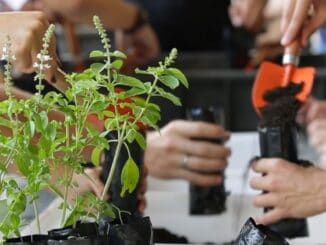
x=113, y=13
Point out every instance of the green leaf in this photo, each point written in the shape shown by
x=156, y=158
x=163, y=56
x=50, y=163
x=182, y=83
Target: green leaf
x=179, y=75
x=175, y=100
x=108, y=113
x=97, y=67
x=96, y=156
x=22, y=165
x=131, y=136
x=169, y=81
x=41, y=121
x=5, y=122
x=117, y=64
x=129, y=177
x=3, y=209
x=110, y=124
x=108, y=210
x=131, y=93
x=96, y=54
x=140, y=140
x=51, y=131
x=30, y=128
x=130, y=81
x=119, y=54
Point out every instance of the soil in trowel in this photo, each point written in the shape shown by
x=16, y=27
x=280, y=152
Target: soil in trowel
x=282, y=106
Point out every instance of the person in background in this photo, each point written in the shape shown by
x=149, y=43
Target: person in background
x=25, y=30
x=294, y=191
x=188, y=25
x=115, y=14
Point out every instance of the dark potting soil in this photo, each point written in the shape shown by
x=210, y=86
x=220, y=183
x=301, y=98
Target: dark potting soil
x=282, y=106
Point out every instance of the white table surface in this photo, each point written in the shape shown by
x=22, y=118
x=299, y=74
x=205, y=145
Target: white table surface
x=168, y=203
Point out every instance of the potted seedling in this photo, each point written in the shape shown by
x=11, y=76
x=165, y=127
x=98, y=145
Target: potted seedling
x=37, y=145
x=278, y=134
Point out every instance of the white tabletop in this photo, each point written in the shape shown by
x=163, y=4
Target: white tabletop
x=168, y=203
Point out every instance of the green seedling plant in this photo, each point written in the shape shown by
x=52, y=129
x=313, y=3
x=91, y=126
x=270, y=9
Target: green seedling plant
x=99, y=101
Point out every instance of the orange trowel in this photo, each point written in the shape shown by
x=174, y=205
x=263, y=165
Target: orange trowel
x=270, y=76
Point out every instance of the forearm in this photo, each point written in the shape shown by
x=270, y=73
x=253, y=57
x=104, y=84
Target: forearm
x=113, y=13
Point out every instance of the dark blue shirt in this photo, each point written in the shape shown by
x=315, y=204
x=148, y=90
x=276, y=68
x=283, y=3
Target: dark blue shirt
x=188, y=24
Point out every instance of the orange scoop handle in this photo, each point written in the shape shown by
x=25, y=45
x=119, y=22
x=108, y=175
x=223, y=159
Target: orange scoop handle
x=293, y=48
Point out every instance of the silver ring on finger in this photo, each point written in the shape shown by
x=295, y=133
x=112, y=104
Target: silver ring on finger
x=185, y=161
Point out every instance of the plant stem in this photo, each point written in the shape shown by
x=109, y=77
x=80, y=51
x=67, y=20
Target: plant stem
x=65, y=200
x=37, y=217
x=112, y=170
x=114, y=162
x=147, y=101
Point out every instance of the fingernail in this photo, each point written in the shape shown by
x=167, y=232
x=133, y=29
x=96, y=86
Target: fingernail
x=284, y=40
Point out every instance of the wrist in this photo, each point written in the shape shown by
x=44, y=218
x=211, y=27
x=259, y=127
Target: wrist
x=141, y=19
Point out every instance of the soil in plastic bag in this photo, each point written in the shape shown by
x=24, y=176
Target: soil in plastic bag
x=134, y=230
x=278, y=138
x=206, y=200
x=33, y=239
x=130, y=201
x=252, y=234
x=82, y=233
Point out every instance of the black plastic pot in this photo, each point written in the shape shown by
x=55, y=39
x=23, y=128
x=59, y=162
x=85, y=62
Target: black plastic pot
x=252, y=234
x=207, y=200
x=130, y=201
x=82, y=233
x=25, y=240
x=280, y=142
x=134, y=230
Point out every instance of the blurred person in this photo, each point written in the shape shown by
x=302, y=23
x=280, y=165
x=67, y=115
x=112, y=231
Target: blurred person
x=302, y=17
x=26, y=30
x=295, y=191
x=247, y=13
x=114, y=14
x=173, y=154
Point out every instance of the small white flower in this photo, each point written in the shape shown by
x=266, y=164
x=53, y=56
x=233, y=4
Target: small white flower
x=13, y=57
x=4, y=57
x=4, y=50
x=43, y=57
x=35, y=65
x=46, y=57
x=47, y=66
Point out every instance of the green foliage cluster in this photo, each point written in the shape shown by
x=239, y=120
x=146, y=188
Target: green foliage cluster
x=37, y=144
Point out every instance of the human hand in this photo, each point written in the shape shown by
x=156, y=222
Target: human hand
x=142, y=189
x=141, y=46
x=293, y=191
x=26, y=30
x=312, y=110
x=317, y=135
x=247, y=13
x=173, y=153
x=296, y=18
x=88, y=182
x=272, y=34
